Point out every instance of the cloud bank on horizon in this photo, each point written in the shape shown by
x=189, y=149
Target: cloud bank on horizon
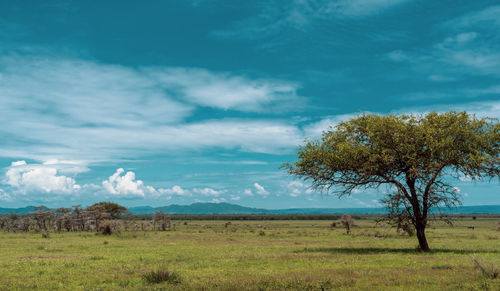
x=203, y=101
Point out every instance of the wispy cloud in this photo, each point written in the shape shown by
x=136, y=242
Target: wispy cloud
x=300, y=15
x=80, y=110
x=259, y=189
x=470, y=48
x=484, y=17
x=225, y=91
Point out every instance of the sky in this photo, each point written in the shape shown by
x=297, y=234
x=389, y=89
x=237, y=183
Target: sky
x=183, y=101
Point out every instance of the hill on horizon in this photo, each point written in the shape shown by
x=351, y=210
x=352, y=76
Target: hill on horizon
x=228, y=208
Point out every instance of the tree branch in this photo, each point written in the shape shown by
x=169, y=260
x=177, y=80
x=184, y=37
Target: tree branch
x=428, y=188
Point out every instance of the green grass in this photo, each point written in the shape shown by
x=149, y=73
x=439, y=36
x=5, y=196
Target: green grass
x=291, y=255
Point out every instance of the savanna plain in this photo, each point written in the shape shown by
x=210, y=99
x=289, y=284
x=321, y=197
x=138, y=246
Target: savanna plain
x=256, y=255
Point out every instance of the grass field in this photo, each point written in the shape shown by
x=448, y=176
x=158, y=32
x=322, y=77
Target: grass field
x=254, y=255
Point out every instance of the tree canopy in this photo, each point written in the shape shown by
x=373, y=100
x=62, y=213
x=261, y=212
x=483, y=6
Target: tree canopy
x=114, y=209
x=414, y=155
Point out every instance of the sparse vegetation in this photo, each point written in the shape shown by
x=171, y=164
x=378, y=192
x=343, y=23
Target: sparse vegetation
x=160, y=276
x=292, y=255
x=486, y=269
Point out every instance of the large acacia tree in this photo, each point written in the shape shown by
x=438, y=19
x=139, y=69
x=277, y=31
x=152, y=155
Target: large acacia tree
x=415, y=156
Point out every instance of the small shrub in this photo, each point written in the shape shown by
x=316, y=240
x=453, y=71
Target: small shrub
x=498, y=226
x=406, y=229
x=106, y=229
x=159, y=276
x=262, y=233
x=487, y=270
x=442, y=267
x=45, y=234
x=110, y=226
x=105, y=242
x=347, y=221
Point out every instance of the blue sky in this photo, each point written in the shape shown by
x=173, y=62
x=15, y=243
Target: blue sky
x=202, y=100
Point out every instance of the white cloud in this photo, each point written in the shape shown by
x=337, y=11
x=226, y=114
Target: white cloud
x=462, y=37
x=481, y=109
x=248, y=192
x=361, y=8
x=470, y=48
x=235, y=198
x=314, y=130
x=218, y=200
x=4, y=196
x=175, y=190
x=70, y=109
x=208, y=191
x=397, y=56
x=296, y=188
x=364, y=204
x=260, y=189
x=224, y=91
x=484, y=17
x=39, y=177
x=126, y=185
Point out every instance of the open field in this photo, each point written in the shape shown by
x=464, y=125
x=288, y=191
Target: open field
x=254, y=255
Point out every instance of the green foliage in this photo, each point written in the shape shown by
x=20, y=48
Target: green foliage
x=371, y=150
x=411, y=155
x=115, y=210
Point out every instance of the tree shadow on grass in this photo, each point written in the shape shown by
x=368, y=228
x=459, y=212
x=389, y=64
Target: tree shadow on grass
x=375, y=251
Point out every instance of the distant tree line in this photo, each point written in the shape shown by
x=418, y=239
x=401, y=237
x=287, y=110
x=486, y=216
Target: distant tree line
x=102, y=216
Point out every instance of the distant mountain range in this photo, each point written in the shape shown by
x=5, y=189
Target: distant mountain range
x=227, y=208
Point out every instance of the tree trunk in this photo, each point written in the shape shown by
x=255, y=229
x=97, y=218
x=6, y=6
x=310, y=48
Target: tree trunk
x=422, y=240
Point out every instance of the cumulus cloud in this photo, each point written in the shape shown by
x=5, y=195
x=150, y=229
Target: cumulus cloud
x=26, y=177
x=126, y=185
x=248, y=192
x=297, y=188
x=260, y=189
